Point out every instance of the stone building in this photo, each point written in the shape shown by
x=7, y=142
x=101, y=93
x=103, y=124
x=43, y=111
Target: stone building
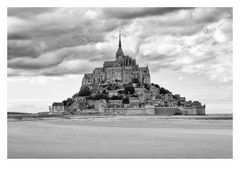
x=123, y=69
x=115, y=103
x=134, y=102
x=57, y=108
x=100, y=105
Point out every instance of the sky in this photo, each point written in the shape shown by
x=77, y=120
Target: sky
x=188, y=51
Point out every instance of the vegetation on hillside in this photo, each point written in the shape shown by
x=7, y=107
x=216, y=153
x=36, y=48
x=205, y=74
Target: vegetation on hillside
x=163, y=91
x=125, y=100
x=103, y=91
x=129, y=89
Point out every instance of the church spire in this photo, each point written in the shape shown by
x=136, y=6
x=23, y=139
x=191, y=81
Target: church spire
x=120, y=43
x=119, y=51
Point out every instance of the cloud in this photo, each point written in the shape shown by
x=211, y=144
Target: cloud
x=26, y=12
x=24, y=48
x=58, y=28
x=131, y=13
x=68, y=67
x=70, y=60
x=61, y=41
x=208, y=52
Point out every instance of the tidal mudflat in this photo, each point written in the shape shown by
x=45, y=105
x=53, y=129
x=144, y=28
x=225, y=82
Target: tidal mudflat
x=121, y=137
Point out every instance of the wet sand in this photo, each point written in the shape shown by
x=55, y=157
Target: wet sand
x=121, y=137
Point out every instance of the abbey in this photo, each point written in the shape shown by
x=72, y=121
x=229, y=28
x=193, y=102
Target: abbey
x=122, y=87
x=124, y=69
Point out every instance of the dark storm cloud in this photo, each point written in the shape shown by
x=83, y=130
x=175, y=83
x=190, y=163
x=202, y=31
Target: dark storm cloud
x=61, y=57
x=57, y=34
x=17, y=36
x=31, y=64
x=26, y=12
x=131, y=13
x=23, y=48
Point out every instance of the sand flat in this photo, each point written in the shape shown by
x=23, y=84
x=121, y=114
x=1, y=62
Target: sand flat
x=120, y=137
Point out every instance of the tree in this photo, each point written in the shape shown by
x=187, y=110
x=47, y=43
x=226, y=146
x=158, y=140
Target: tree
x=84, y=91
x=129, y=89
x=163, y=91
x=101, y=96
x=68, y=102
x=147, y=86
x=75, y=95
x=104, y=91
x=157, y=86
x=119, y=97
x=135, y=80
x=89, y=97
x=125, y=100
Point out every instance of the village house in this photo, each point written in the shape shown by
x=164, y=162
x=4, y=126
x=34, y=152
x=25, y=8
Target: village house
x=154, y=90
x=182, y=99
x=57, y=108
x=177, y=96
x=159, y=103
x=100, y=105
x=112, y=93
x=173, y=103
x=140, y=90
x=168, y=97
x=187, y=104
x=90, y=103
x=115, y=103
x=141, y=97
x=80, y=99
x=133, y=102
x=148, y=96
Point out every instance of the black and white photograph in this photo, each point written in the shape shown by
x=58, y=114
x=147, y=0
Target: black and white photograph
x=119, y=82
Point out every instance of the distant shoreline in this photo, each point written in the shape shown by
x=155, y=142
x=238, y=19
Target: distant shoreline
x=18, y=117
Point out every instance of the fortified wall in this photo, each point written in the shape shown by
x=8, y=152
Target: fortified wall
x=164, y=111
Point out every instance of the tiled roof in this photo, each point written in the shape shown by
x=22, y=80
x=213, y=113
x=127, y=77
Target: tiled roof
x=57, y=104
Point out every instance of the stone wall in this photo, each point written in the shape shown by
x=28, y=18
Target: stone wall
x=192, y=110
x=87, y=79
x=166, y=111
x=89, y=112
x=149, y=110
x=200, y=110
x=100, y=105
x=98, y=75
x=113, y=74
x=144, y=75
x=125, y=111
x=127, y=75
